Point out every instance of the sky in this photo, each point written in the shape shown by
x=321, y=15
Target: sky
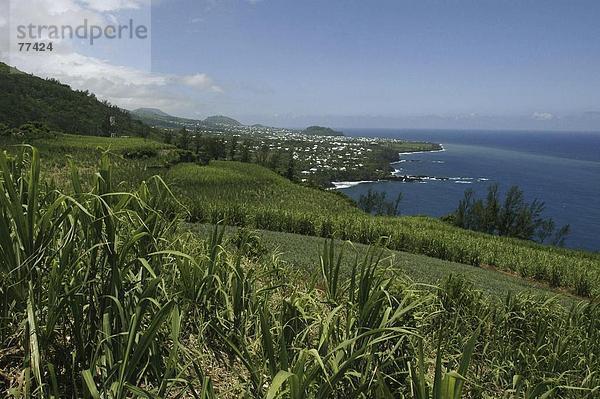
x=503, y=64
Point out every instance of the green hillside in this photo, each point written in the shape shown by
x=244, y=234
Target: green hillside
x=150, y=112
x=160, y=119
x=243, y=194
x=250, y=189
x=321, y=131
x=249, y=195
x=105, y=295
x=27, y=98
x=221, y=120
x=302, y=253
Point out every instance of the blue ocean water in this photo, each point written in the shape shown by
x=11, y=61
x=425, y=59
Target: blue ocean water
x=562, y=169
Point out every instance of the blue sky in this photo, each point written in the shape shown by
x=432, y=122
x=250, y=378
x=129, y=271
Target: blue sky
x=389, y=58
x=380, y=63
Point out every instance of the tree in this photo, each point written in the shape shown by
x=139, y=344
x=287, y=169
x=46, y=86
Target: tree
x=375, y=202
x=32, y=130
x=168, y=137
x=274, y=160
x=28, y=98
x=290, y=172
x=463, y=213
x=197, y=141
x=262, y=155
x=491, y=210
x=106, y=127
x=245, y=154
x=233, y=147
x=215, y=148
x=184, y=139
x=561, y=235
x=514, y=217
x=144, y=133
x=545, y=230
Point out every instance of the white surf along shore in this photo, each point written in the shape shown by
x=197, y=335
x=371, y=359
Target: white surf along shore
x=347, y=184
x=338, y=185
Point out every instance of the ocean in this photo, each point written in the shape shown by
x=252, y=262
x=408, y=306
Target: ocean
x=560, y=168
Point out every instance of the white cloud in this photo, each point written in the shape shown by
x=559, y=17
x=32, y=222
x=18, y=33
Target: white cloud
x=122, y=85
x=49, y=12
x=471, y=115
x=201, y=81
x=115, y=5
x=542, y=116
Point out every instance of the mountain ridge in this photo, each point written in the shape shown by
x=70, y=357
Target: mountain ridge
x=151, y=111
x=157, y=117
x=28, y=98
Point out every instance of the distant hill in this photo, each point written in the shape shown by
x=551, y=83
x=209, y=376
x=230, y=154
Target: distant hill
x=221, y=120
x=157, y=118
x=28, y=98
x=151, y=112
x=321, y=131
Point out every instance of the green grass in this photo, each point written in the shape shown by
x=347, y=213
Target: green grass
x=135, y=159
x=248, y=195
x=102, y=295
x=251, y=188
x=302, y=255
x=76, y=142
x=242, y=194
x=87, y=149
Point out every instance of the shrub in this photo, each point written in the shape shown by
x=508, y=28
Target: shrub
x=248, y=243
x=141, y=154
